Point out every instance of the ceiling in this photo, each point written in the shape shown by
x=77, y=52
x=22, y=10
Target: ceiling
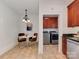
x=31, y=5
x=20, y=5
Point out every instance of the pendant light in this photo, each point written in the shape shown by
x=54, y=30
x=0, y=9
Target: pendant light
x=25, y=18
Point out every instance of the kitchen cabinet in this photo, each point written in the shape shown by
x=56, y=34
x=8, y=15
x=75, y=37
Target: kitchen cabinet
x=77, y=12
x=45, y=23
x=73, y=49
x=64, y=44
x=73, y=14
x=50, y=22
x=71, y=17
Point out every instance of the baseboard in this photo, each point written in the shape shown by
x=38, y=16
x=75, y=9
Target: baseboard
x=9, y=47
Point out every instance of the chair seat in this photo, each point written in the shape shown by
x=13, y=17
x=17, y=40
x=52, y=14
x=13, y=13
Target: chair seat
x=22, y=39
x=33, y=36
x=32, y=39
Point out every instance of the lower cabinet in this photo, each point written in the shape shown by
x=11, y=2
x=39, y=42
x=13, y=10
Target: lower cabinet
x=72, y=49
x=64, y=45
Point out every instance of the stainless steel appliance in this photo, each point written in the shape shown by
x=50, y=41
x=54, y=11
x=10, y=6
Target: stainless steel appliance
x=53, y=37
x=50, y=37
x=46, y=37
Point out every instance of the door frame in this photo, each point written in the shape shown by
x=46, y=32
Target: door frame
x=52, y=15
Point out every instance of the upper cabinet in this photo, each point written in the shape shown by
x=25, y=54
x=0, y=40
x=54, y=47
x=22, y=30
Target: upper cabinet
x=77, y=12
x=73, y=14
x=50, y=22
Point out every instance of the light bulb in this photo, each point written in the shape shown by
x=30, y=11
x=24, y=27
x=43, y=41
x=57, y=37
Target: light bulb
x=24, y=20
x=28, y=21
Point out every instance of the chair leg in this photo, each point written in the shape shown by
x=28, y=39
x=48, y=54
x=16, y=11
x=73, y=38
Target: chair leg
x=25, y=43
x=19, y=44
x=33, y=44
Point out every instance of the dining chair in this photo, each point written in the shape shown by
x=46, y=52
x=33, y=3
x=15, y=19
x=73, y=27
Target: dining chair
x=21, y=38
x=33, y=39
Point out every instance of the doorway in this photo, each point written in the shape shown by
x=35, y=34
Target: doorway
x=50, y=30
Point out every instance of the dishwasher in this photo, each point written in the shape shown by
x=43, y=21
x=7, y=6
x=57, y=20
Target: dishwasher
x=46, y=38
x=72, y=49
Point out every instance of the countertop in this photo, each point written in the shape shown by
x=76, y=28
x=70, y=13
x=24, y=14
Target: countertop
x=71, y=37
x=76, y=39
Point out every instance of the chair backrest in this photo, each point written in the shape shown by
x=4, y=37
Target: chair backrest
x=36, y=34
x=21, y=37
x=34, y=38
x=21, y=34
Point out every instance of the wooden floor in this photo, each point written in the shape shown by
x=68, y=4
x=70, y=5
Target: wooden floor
x=50, y=52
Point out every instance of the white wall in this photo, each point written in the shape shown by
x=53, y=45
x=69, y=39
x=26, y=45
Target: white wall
x=9, y=28
x=67, y=2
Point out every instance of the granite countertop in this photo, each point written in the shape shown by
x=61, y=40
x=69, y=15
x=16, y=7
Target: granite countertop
x=76, y=39
x=71, y=37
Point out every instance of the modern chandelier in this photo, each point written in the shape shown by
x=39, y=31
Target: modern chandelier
x=25, y=18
